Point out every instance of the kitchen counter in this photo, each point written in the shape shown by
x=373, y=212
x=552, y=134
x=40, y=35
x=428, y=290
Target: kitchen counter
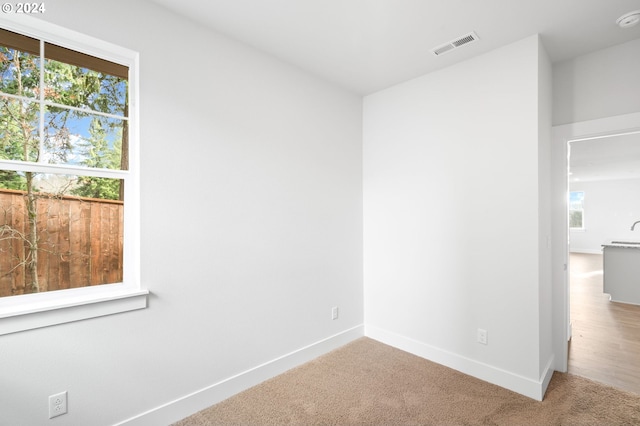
x=622, y=243
x=621, y=266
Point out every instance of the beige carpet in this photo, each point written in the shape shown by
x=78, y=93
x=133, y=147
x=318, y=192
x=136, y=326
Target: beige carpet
x=367, y=382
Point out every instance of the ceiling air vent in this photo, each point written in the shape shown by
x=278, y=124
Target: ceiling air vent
x=454, y=44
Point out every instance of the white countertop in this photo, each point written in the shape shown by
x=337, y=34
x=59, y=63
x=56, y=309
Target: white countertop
x=625, y=243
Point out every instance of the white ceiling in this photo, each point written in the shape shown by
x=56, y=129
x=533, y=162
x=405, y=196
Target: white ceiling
x=611, y=157
x=368, y=45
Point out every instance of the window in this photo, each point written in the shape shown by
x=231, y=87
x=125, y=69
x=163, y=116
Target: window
x=576, y=210
x=69, y=209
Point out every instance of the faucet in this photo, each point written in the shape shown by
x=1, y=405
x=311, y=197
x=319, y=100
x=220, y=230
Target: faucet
x=634, y=225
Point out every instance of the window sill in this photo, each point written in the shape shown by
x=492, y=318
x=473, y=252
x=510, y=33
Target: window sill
x=44, y=313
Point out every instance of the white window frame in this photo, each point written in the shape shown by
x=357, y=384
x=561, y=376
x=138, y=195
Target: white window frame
x=29, y=311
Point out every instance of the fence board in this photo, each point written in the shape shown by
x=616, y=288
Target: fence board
x=64, y=277
x=96, y=244
x=18, y=249
x=80, y=242
x=49, y=210
x=114, y=261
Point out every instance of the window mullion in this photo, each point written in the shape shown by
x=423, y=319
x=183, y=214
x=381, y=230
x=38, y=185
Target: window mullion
x=85, y=111
x=41, y=100
x=23, y=166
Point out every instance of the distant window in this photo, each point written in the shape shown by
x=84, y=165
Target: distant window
x=576, y=210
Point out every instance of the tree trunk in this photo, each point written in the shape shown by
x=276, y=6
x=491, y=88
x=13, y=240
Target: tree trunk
x=31, y=257
x=32, y=236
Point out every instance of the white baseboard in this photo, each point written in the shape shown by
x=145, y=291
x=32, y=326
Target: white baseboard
x=532, y=388
x=189, y=404
x=546, y=377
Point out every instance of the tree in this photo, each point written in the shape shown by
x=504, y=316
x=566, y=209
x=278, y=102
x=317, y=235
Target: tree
x=19, y=142
x=98, y=154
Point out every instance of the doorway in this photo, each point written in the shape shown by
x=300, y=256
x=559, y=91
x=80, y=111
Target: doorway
x=604, y=200
x=560, y=261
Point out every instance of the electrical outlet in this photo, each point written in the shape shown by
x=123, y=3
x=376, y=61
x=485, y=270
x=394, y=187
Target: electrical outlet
x=334, y=313
x=58, y=404
x=482, y=336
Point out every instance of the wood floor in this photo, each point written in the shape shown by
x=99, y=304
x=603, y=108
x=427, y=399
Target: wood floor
x=605, y=343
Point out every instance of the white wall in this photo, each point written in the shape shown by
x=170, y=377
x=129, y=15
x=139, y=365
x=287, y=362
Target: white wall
x=251, y=231
x=597, y=85
x=592, y=94
x=611, y=207
x=545, y=303
x=453, y=216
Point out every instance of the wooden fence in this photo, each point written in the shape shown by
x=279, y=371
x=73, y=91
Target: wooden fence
x=79, y=243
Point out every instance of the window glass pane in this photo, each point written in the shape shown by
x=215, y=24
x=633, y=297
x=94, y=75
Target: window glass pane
x=82, y=139
x=58, y=185
x=576, y=200
x=51, y=239
x=575, y=219
x=576, y=209
x=19, y=72
x=19, y=123
x=84, y=88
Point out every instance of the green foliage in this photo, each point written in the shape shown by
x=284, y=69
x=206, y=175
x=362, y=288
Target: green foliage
x=18, y=118
x=98, y=154
x=19, y=74
x=65, y=141
x=18, y=130
x=12, y=180
x=575, y=219
x=84, y=88
x=97, y=187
